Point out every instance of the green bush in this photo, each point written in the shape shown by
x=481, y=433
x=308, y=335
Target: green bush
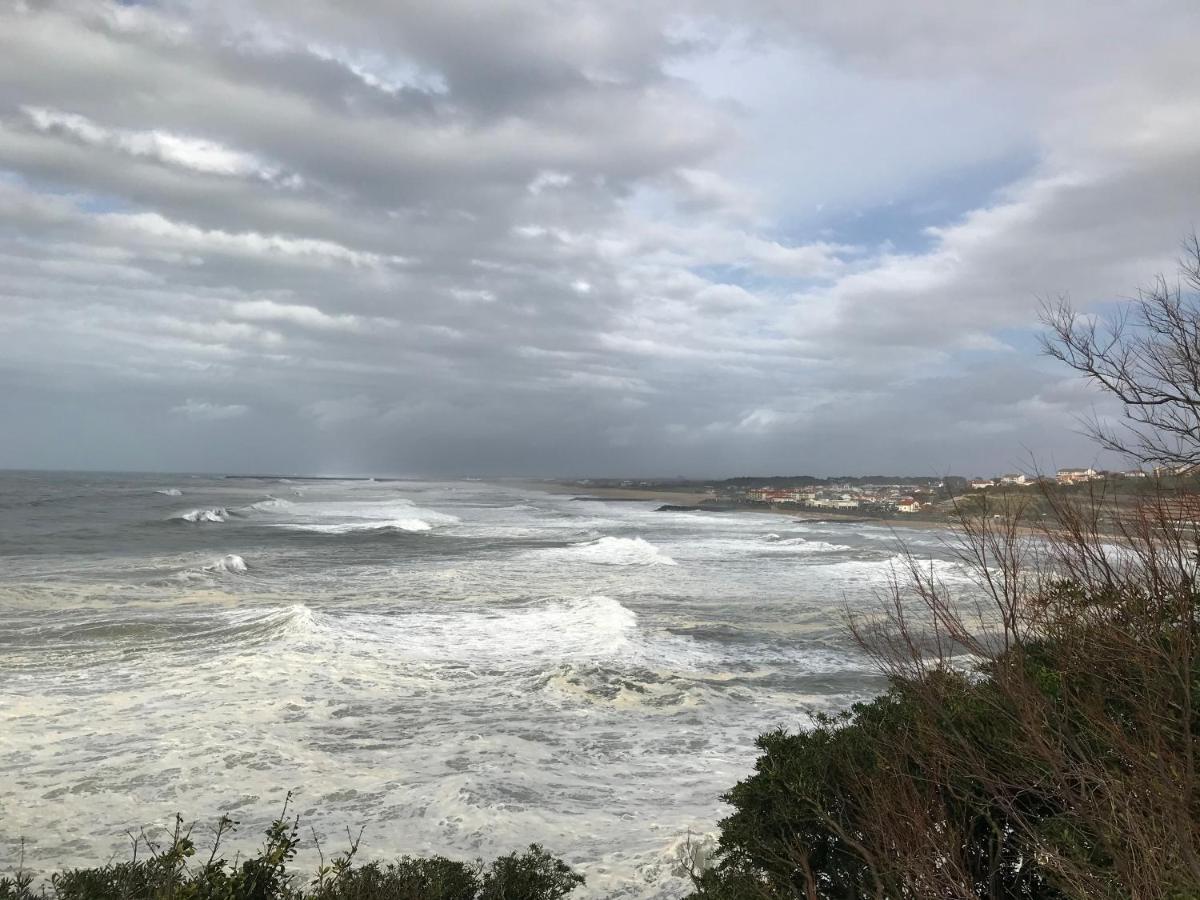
x=807, y=817
x=173, y=873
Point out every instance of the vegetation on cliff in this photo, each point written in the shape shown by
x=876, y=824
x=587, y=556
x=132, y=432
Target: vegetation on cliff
x=1040, y=743
x=180, y=871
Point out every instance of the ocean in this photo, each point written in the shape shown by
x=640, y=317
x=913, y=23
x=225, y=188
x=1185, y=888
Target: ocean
x=456, y=667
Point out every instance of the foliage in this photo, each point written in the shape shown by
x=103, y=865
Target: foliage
x=172, y=873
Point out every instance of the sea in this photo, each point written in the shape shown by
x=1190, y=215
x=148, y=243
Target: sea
x=459, y=668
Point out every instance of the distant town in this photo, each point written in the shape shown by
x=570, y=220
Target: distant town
x=876, y=496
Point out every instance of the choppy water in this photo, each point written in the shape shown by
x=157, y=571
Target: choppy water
x=461, y=668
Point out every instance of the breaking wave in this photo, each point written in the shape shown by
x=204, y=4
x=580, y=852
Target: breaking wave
x=398, y=515
x=803, y=545
x=170, y=492
x=411, y=525
x=880, y=569
x=587, y=627
x=613, y=551
x=231, y=563
x=641, y=688
x=535, y=636
x=198, y=516
x=528, y=639
x=271, y=503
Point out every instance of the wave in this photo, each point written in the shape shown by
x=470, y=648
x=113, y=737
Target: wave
x=112, y=632
x=877, y=569
x=803, y=545
x=410, y=525
x=170, y=492
x=229, y=564
x=613, y=551
x=516, y=637
x=321, y=517
x=198, y=516
x=271, y=503
x=638, y=687
x=593, y=647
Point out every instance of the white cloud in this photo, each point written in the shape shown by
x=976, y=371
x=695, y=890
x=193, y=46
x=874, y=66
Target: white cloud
x=195, y=154
x=548, y=180
x=530, y=236
x=306, y=316
x=391, y=75
x=158, y=228
x=203, y=411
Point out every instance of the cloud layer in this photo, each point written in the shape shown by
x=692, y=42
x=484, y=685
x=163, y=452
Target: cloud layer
x=538, y=238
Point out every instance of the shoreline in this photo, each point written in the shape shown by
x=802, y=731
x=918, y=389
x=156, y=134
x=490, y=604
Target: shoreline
x=694, y=498
x=948, y=526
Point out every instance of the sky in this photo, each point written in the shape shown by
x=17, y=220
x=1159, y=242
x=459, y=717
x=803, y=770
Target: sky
x=561, y=238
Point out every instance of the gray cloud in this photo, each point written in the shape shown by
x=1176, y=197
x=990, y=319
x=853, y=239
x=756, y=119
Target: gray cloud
x=568, y=238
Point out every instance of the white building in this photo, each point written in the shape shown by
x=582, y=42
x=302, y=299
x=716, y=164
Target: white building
x=1178, y=469
x=1076, y=476
x=834, y=503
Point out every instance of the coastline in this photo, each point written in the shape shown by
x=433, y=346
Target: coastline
x=694, y=498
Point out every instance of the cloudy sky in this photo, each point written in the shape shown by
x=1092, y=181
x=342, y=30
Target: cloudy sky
x=574, y=238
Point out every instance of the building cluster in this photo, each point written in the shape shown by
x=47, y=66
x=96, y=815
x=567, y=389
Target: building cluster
x=873, y=498
x=1176, y=470
x=909, y=498
x=1078, y=476
x=1063, y=476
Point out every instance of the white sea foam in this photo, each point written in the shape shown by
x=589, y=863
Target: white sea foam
x=197, y=516
x=759, y=547
x=270, y=504
x=803, y=545
x=643, y=689
x=598, y=638
x=319, y=517
x=580, y=628
x=613, y=551
x=170, y=492
x=231, y=563
x=351, y=527
x=879, y=571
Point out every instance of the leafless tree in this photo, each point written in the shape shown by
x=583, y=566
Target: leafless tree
x=1147, y=356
